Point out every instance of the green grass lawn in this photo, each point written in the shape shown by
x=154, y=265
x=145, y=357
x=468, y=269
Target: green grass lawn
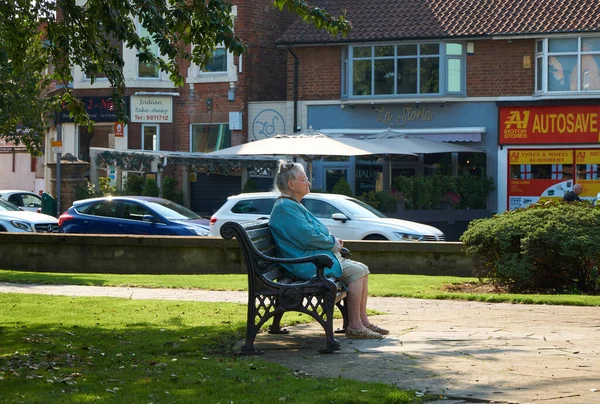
x=108, y=350
x=416, y=286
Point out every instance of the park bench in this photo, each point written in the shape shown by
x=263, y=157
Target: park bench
x=272, y=291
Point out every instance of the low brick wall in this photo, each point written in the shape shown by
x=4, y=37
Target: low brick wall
x=202, y=255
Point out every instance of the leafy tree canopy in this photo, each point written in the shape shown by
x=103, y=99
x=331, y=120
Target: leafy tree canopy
x=41, y=40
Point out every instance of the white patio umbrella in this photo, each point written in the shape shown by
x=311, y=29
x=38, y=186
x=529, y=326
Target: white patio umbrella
x=412, y=144
x=307, y=146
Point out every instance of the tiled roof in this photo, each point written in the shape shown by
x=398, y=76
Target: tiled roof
x=380, y=20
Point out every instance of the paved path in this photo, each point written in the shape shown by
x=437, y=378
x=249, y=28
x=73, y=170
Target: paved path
x=468, y=351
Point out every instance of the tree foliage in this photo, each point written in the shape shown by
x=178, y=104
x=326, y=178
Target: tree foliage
x=64, y=33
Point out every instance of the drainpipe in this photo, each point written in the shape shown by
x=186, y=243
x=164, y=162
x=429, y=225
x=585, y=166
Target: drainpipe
x=296, y=63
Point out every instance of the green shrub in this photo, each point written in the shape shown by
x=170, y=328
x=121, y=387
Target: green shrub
x=382, y=200
x=105, y=188
x=85, y=190
x=169, y=187
x=250, y=186
x=548, y=247
x=134, y=184
x=342, y=187
x=370, y=198
x=151, y=188
x=428, y=192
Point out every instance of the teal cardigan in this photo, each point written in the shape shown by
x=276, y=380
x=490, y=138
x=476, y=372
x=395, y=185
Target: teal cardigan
x=297, y=233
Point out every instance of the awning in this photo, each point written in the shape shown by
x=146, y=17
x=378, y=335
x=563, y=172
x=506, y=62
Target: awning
x=461, y=134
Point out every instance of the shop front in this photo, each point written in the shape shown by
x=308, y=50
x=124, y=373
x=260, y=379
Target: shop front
x=463, y=123
x=546, y=150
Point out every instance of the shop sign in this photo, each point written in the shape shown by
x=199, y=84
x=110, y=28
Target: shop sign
x=406, y=115
x=99, y=109
x=118, y=129
x=549, y=124
x=152, y=109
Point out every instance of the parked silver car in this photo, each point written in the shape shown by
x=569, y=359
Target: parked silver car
x=15, y=219
x=26, y=200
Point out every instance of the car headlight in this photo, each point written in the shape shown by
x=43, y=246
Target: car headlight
x=21, y=225
x=199, y=231
x=408, y=236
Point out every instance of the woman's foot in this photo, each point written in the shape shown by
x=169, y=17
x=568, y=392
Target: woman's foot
x=377, y=329
x=363, y=333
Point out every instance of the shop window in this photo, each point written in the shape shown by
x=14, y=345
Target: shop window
x=588, y=171
x=333, y=175
x=472, y=164
x=210, y=137
x=405, y=69
x=568, y=64
x=437, y=164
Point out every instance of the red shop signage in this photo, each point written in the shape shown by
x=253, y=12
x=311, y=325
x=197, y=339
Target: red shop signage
x=549, y=125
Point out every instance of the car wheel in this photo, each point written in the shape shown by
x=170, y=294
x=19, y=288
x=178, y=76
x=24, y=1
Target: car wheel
x=375, y=237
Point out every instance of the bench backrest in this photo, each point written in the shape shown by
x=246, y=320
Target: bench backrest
x=257, y=245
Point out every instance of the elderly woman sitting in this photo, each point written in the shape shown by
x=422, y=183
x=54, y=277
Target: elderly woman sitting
x=298, y=233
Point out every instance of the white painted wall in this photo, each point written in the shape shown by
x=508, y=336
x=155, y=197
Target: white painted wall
x=22, y=177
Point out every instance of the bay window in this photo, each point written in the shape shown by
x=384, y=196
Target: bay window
x=404, y=70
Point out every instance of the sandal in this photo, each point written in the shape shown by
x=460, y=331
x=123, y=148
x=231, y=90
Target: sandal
x=377, y=329
x=364, y=333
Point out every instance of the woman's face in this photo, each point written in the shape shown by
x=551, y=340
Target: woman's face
x=300, y=186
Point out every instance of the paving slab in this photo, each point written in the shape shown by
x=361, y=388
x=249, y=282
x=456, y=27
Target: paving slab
x=466, y=352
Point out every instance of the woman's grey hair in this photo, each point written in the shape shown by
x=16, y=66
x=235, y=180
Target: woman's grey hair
x=288, y=170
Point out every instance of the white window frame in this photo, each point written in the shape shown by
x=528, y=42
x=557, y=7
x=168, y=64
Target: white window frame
x=197, y=75
x=156, y=141
x=542, y=55
x=348, y=73
x=137, y=60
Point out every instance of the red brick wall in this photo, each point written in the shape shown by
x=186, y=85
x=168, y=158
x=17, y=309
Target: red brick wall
x=260, y=24
x=319, y=73
x=496, y=68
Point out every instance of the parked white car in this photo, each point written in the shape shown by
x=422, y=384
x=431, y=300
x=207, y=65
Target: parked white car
x=15, y=219
x=26, y=200
x=346, y=217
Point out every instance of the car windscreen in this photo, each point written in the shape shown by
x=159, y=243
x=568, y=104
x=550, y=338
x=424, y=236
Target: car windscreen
x=7, y=206
x=171, y=210
x=360, y=209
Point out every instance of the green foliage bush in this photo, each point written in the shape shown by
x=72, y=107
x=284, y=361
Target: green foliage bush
x=428, y=192
x=342, y=187
x=250, y=186
x=548, y=247
x=381, y=200
x=105, y=188
x=169, y=188
x=151, y=188
x=134, y=185
x=85, y=190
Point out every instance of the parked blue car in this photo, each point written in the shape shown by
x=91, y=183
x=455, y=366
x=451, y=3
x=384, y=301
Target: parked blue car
x=132, y=215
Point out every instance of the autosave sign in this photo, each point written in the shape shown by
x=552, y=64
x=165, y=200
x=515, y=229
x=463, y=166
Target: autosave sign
x=152, y=109
x=550, y=124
